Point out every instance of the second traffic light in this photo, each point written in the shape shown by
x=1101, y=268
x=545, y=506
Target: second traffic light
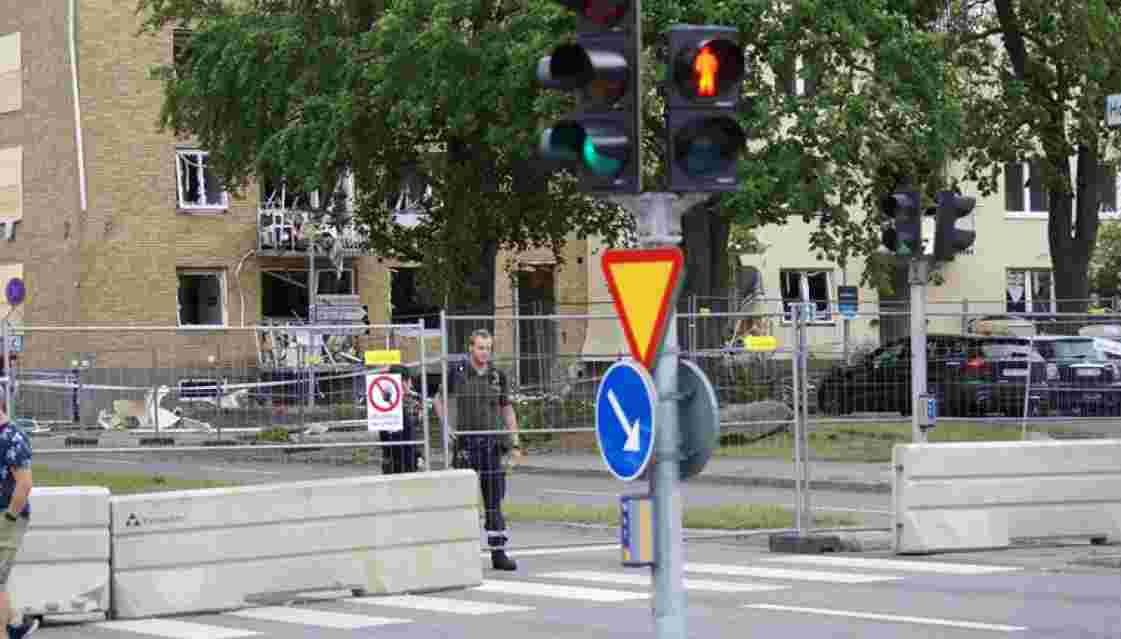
x=903, y=235
x=599, y=140
x=948, y=239
x=706, y=71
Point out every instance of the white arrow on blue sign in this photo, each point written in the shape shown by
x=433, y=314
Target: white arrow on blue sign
x=625, y=417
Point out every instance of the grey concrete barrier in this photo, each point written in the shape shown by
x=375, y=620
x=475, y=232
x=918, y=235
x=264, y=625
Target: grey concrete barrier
x=228, y=548
x=62, y=569
x=970, y=496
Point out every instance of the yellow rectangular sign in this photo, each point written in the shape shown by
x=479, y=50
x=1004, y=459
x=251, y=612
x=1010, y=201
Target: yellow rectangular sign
x=383, y=358
x=760, y=343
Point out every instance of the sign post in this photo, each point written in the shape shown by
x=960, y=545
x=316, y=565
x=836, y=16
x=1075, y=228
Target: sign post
x=644, y=284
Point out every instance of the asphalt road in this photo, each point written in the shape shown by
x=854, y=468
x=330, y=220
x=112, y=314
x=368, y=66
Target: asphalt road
x=732, y=590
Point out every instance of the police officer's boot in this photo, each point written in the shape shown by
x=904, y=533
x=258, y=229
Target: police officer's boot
x=498, y=557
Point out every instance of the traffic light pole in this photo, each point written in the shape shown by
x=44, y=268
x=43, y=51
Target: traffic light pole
x=658, y=217
x=919, y=270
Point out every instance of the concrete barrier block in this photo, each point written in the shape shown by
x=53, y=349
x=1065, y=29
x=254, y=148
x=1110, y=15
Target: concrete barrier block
x=235, y=547
x=982, y=495
x=62, y=568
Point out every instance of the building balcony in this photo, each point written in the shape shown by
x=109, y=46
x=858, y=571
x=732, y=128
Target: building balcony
x=289, y=232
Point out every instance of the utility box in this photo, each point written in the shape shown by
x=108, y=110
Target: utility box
x=927, y=411
x=636, y=530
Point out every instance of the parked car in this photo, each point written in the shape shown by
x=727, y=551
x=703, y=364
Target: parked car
x=970, y=375
x=1086, y=379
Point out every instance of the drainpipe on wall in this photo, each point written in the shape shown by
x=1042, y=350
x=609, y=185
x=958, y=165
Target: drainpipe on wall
x=73, y=27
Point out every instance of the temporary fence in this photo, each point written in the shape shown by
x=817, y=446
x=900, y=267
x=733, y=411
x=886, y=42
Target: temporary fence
x=835, y=387
x=294, y=384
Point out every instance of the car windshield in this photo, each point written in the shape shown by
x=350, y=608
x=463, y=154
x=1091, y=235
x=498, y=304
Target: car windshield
x=1071, y=349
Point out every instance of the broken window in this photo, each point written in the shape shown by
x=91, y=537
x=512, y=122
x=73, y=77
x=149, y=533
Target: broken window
x=201, y=298
x=199, y=187
x=410, y=301
x=807, y=286
x=284, y=293
x=1029, y=291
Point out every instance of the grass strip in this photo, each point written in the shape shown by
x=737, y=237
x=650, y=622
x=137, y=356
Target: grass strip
x=723, y=517
x=867, y=442
x=121, y=484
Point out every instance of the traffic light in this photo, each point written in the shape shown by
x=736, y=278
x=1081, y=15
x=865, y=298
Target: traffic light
x=904, y=234
x=706, y=71
x=599, y=140
x=948, y=239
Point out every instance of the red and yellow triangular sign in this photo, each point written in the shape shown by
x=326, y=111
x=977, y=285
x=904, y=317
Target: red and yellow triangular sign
x=644, y=284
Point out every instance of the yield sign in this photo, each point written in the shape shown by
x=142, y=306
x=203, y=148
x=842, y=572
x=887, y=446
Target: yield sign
x=644, y=284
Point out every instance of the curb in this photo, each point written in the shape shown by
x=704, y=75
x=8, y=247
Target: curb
x=843, y=485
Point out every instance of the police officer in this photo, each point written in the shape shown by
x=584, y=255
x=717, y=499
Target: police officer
x=403, y=458
x=482, y=402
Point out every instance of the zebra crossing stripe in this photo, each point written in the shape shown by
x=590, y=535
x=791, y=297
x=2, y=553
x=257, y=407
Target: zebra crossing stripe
x=557, y=591
x=644, y=580
x=791, y=575
x=313, y=617
x=871, y=616
x=944, y=568
x=174, y=629
x=438, y=604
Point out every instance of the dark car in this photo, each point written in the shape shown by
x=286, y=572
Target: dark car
x=1084, y=381
x=970, y=375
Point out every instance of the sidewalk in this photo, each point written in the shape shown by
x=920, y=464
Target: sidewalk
x=824, y=475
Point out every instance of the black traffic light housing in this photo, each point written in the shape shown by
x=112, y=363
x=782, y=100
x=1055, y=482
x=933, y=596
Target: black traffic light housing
x=948, y=239
x=704, y=89
x=903, y=235
x=600, y=140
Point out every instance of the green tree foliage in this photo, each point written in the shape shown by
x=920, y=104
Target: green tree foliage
x=873, y=110
x=1033, y=77
x=1105, y=265
x=432, y=91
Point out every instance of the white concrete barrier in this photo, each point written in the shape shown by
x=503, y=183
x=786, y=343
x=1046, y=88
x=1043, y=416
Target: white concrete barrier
x=226, y=548
x=62, y=569
x=960, y=496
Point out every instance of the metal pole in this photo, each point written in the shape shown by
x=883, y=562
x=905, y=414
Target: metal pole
x=445, y=419
x=918, y=277
x=845, y=321
x=796, y=400
x=804, y=373
x=424, y=396
x=659, y=224
x=7, y=361
x=669, y=551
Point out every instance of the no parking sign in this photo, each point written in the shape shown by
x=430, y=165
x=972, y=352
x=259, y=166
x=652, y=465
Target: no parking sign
x=384, y=408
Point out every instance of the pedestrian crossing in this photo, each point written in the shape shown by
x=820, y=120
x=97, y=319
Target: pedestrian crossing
x=525, y=593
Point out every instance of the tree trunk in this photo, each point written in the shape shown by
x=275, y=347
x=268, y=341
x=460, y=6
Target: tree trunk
x=705, y=230
x=481, y=280
x=1072, y=233
x=895, y=322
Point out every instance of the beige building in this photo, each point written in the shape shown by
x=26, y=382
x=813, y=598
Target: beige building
x=1007, y=271
x=111, y=222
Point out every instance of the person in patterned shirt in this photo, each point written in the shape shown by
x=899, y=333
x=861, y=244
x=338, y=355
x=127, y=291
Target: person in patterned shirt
x=15, y=490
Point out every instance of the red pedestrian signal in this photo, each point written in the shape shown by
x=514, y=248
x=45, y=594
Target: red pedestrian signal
x=706, y=72
x=706, y=66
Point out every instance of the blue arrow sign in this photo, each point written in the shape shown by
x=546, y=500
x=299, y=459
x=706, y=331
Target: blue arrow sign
x=625, y=416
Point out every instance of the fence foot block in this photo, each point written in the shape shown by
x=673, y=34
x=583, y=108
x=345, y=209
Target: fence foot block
x=805, y=544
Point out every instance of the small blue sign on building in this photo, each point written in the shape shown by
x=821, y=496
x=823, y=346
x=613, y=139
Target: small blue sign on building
x=625, y=416
x=848, y=301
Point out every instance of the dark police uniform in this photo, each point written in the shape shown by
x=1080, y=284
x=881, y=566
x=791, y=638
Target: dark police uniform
x=403, y=458
x=480, y=399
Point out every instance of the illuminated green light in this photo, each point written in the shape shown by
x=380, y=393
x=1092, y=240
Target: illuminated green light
x=601, y=165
